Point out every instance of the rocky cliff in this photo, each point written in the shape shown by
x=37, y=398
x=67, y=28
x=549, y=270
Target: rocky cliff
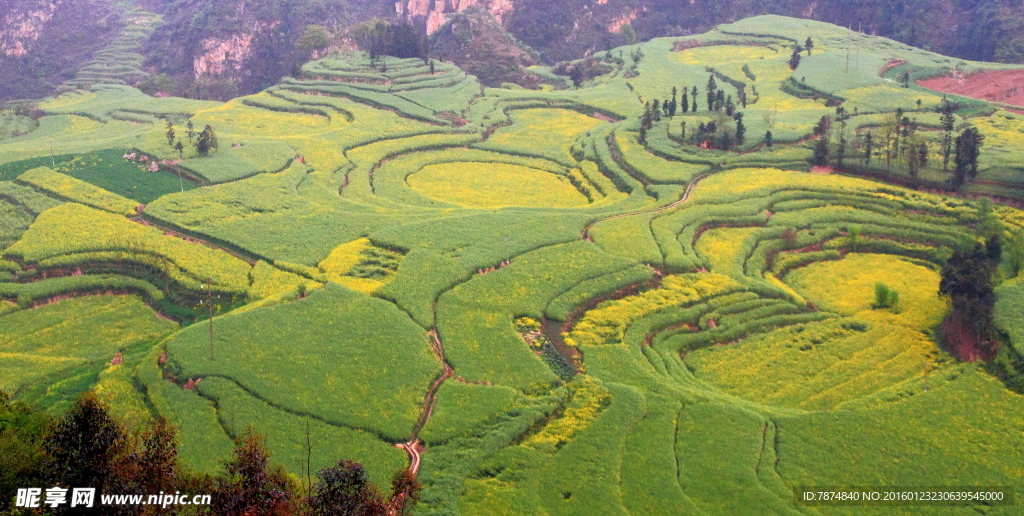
x=44, y=42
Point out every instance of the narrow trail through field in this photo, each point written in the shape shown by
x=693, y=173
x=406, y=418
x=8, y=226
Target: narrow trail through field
x=685, y=197
x=414, y=447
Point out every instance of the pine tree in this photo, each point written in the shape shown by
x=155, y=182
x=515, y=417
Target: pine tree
x=207, y=141
x=768, y=139
x=794, y=60
x=821, y=151
x=712, y=87
x=190, y=130
x=686, y=103
x=719, y=100
x=869, y=141
x=809, y=44
x=741, y=130
x=729, y=106
x=672, y=105
x=948, y=121
x=180, y=148
x=170, y=133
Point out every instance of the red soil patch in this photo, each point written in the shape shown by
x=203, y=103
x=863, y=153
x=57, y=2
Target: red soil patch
x=1006, y=86
x=962, y=341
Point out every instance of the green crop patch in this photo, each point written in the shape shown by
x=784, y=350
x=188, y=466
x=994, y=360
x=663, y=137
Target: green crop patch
x=295, y=378
x=42, y=346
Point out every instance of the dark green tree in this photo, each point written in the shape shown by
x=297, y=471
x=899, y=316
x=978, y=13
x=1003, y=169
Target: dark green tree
x=968, y=148
x=251, y=487
x=794, y=60
x=180, y=147
x=719, y=100
x=22, y=461
x=821, y=153
x=685, y=103
x=808, y=45
x=967, y=282
x=673, y=104
x=741, y=130
x=190, y=130
x=170, y=133
x=207, y=141
x=345, y=490
x=869, y=141
x=948, y=122
x=712, y=91
x=730, y=108
x=81, y=446
x=768, y=139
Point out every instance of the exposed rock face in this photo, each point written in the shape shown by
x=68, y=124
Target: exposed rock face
x=435, y=13
x=21, y=28
x=222, y=56
x=44, y=42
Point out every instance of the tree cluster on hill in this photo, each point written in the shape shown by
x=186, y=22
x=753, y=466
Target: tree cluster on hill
x=478, y=43
x=379, y=37
x=203, y=142
x=86, y=447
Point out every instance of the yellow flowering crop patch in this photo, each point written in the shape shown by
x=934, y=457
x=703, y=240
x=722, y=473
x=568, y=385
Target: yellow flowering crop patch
x=607, y=323
x=588, y=398
x=240, y=119
x=74, y=228
x=495, y=185
x=72, y=189
x=342, y=259
x=847, y=286
x=721, y=245
x=818, y=366
x=721, y=54
x=545, y=132
x=746, y=182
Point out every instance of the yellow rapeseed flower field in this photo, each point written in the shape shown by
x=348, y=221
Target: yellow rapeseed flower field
x=495, y=185
x=847, y=286
x=721, y=54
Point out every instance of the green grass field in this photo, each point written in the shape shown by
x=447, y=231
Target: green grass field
x=702, y=332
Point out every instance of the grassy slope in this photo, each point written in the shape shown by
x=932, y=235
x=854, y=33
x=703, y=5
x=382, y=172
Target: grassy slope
x=664, y=421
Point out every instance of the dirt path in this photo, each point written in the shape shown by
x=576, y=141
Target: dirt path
x=414, y=447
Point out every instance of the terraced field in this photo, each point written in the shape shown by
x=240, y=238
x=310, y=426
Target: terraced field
x=552, y=307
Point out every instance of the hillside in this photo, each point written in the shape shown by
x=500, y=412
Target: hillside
x=44, y=42
x=982, y=30
x=700, y=272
